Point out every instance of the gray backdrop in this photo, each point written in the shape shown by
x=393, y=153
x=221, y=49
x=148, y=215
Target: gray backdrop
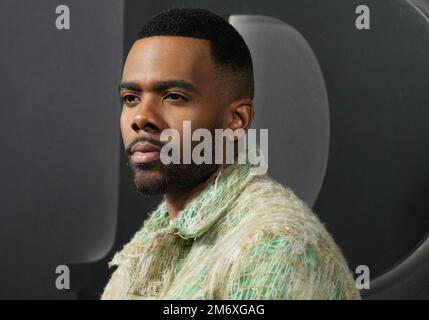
x=59, y=140
x=66, y=197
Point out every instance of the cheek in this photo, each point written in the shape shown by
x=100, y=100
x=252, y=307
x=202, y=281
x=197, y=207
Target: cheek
x=125, y=126
x=201, y=116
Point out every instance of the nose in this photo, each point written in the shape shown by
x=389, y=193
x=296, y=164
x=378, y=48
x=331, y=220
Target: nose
x=146, y=118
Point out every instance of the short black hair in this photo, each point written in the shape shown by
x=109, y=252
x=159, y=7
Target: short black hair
x=228, y=49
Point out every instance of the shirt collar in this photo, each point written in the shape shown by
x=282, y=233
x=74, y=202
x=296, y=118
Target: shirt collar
x=208, y=205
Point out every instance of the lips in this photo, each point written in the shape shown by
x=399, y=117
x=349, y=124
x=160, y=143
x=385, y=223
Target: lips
x=144, y=152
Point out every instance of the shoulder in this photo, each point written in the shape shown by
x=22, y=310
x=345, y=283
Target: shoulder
x=280, y=234
x=268, y=207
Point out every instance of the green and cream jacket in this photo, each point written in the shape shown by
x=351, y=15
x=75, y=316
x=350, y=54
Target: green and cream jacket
x=244, y=236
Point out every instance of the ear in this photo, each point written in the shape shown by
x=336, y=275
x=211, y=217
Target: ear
x=240, y=114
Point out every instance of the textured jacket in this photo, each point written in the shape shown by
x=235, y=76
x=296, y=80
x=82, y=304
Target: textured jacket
x=244, y=236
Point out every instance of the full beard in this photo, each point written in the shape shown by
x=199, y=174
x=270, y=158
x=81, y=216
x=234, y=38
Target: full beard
x=157, y=178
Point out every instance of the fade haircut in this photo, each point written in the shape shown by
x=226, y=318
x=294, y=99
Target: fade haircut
x=228, y=49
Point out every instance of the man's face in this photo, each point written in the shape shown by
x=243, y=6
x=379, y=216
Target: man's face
x=167, y=80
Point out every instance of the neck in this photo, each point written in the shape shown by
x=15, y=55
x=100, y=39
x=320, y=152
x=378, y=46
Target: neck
x=177, y=200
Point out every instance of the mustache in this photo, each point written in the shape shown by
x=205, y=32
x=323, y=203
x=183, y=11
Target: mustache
x=153, y=141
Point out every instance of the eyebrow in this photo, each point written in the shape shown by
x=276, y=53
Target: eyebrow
x=160, y=86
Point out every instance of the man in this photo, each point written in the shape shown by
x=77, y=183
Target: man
x=221, y=231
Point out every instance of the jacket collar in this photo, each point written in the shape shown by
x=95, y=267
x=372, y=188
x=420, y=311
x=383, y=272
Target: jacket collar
x=207, y=207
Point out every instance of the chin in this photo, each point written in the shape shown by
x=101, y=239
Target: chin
x=146, y=176
x=148, y=181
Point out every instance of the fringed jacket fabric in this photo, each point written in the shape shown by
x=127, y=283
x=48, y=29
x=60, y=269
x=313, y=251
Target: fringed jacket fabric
x=244, y=236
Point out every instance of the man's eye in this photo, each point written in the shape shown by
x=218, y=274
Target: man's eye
x=130, y=99
x=175, y=97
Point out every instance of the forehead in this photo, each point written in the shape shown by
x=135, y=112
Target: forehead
x=165, y=57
